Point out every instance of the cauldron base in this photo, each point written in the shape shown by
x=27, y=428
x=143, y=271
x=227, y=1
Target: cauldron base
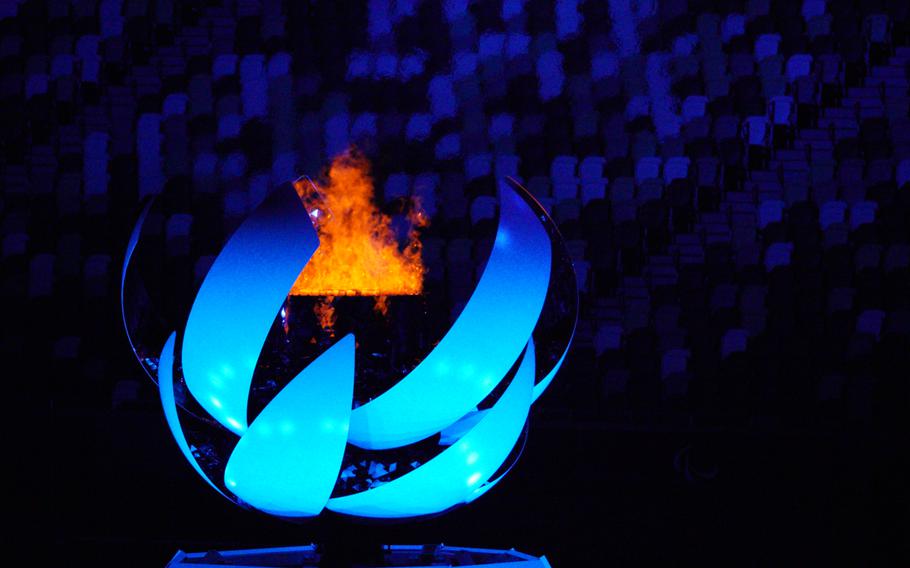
x=403, y=556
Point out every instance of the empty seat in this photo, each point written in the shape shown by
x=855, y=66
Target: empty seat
x=781, y=110
x=337, y=133
x=674, y=361
x=757, y=130
x=14, y=244
x=766, y=46
x=8, y=10
x=734, y=25
x=647, y=168
x=778, y=254
x=607, y=337
x=591, y=168
x=110, y=18
x=604, y=64
x=441, y=92
x=771, y=211
x=550, y=75
x=566, y=210
x=254, y=86
x=694, y=107
x=61, y=65
x=638, y=105
x=733, y=341
x=862, y=212
x=870, y=322
x=878, y=171
x=799, y=65
x=96, y=276
x=385, y=66
x=177, y=234
x=279, y=64
x=877, y=28
x=148, y=148
x=224, y=65
x=478, y=165
x=483, y=207
x=233, y=166
x=360, y=65
x=831, y=213
x=812, y=9
x=41, y=276
x=902, y=175
x=897, y=257
x=676, y=167
x=867, y=256
x=506, y=165
x=593, y=189
x=562, y=173
x=396, y=186
x=364, y=126
x=425, y=188
x=418, y=127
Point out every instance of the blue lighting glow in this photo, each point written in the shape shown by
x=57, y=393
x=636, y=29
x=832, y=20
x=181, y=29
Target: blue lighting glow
x=238, y=301
x=287, y=462
x=453, y=477
x=166, y=389
x=485, y=340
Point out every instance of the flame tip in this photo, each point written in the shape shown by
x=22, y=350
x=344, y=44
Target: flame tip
x=359, y=253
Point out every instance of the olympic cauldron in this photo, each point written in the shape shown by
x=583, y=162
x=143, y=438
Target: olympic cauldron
x=400, y=406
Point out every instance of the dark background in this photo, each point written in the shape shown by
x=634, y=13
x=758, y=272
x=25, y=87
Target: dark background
x=737, y=391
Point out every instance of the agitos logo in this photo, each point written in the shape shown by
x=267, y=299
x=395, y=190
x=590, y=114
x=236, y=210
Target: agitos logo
x=464, y=405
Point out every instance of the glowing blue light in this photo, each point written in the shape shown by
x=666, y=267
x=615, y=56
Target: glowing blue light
x=287, y=462
x=488, y=337
x=451, y=478
x=166, y=390
x=238, y=301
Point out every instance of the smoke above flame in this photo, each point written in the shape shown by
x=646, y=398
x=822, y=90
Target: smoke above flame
x=359, y=253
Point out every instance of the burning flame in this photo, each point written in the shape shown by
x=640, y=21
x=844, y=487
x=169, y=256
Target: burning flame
x=358, y=254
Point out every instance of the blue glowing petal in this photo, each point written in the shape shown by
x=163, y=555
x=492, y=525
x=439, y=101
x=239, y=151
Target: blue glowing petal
x=453, y=433
x=481, y=346
x=238, y=301
x=545, y=382
x=452, y=477
x=482, y=490
x=166, y=388
x=287, y=462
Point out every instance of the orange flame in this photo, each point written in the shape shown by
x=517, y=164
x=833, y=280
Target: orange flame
x=358, y=252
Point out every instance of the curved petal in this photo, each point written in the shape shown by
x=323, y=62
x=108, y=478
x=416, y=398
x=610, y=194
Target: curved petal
x=563, y=274
x=287, y=462
x=238, y=301
x=480, y=491
x=166, y=389
x=453, y=476
x=481, y=346
x=453, y=433
x=130, y=249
